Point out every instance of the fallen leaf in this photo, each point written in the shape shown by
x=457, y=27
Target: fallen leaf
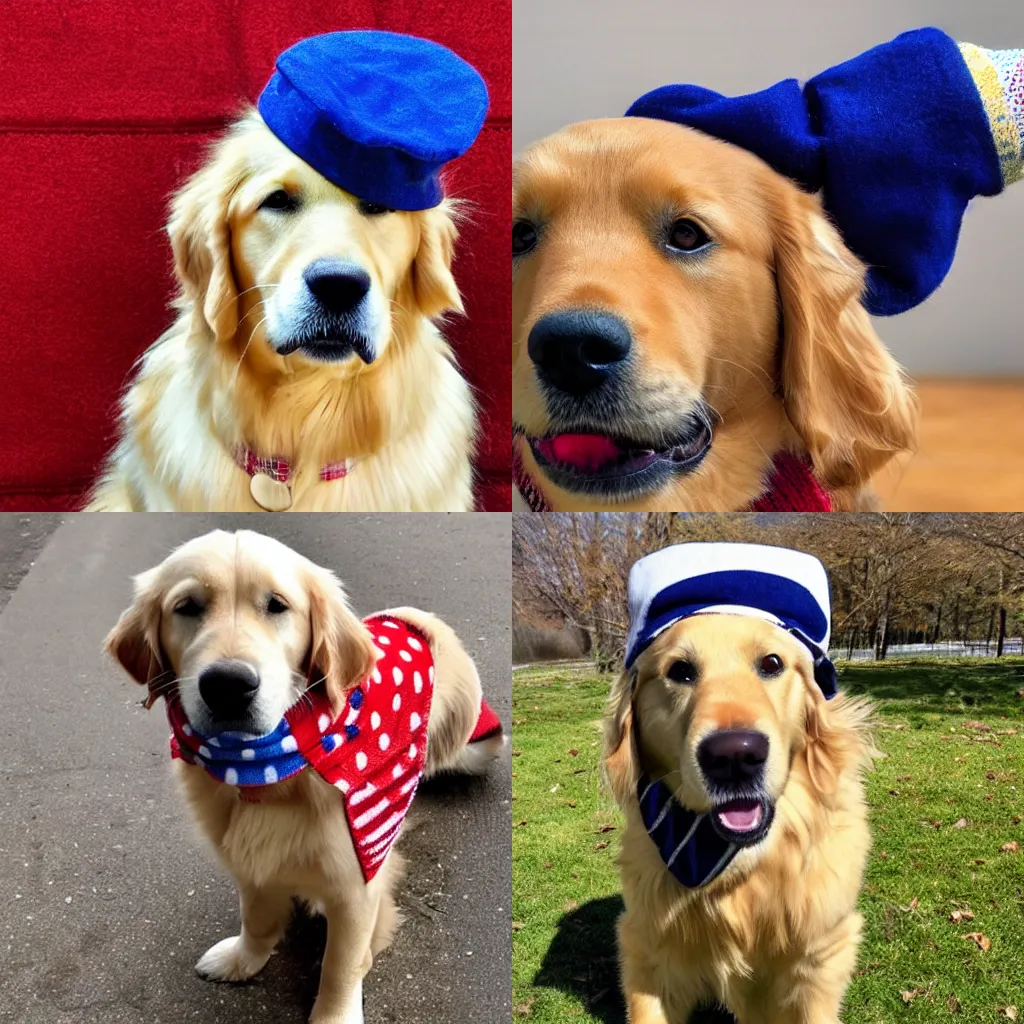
x=572, y=803
x=960, y=823
x=953, y=1003
x=912, y=906
x=605, y=828
x=983, y=942
x=548, y=866
x=883, y=855
x=600, y=846
x=1009, y=1011
x=980, y=726
x=904, y=778
x=574, y=752
x=979, y=860
x=894, y=792
x=910, y=994
x=961, y=915
x=1011, y=847
x=517, y=926
x=990, y=775
x=1017, y=819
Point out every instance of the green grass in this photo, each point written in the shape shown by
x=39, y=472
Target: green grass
x=941, y=768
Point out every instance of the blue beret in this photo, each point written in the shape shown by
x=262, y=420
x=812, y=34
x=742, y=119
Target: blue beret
x=376, y=113
x=786, y=587
x=896, y=139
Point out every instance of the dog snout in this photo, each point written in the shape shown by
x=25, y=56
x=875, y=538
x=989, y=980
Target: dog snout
x=577, y=350
x=733, y=756
x=337, y=286
x=228, y=688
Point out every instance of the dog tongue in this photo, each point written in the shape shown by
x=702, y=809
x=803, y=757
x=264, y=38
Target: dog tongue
x=583, y=451
x=741, y=815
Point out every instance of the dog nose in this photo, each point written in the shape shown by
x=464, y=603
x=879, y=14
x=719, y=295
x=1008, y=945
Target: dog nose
x=733, y=755
x=577, y=350
x=338, y=287
x=228, y=688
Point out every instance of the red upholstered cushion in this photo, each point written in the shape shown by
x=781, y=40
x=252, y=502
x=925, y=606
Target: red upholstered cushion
x=105, y=107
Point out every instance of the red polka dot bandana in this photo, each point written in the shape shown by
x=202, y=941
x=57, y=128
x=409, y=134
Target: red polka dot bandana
x=373, y=752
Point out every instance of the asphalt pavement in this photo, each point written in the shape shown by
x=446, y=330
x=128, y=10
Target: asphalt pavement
x=107, y=894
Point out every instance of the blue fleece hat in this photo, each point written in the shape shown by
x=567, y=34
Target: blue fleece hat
x=785, y=587
x=376, y=113
x=897, y=139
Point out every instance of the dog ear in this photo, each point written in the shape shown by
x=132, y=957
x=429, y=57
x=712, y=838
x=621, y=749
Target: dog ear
x=838, y=738
x=342, y=653
x=434, y=286
x=200, y=233
x=135, y=640
x=619, y=758
x=844, y=393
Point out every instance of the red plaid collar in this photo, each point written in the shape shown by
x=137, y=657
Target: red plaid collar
x=281, y=470
x=791, y=486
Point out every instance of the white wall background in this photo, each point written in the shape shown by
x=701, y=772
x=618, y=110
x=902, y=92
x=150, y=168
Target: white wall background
x=578, y=59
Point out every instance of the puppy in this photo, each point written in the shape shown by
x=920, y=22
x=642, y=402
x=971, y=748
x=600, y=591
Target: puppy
x=724, y=713
x=295, y=777
x=305, y=345
x=681, y=316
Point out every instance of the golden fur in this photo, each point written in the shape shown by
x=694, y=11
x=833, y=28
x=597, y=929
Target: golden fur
x=213, y=382
x=774, y=938
x=768, y=330
x=295, y=841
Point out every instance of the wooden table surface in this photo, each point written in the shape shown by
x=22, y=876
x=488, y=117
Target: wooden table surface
x=970, y=455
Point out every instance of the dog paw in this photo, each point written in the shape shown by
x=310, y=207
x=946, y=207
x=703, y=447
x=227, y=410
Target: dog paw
x=228, y=960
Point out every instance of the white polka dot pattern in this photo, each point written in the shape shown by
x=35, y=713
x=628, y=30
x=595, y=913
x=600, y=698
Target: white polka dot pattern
x=369, y=749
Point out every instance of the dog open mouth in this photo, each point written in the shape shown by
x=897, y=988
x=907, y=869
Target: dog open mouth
x=618, y=466
x=743, y=821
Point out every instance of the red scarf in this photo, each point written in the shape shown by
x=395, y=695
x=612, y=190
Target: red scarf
x=373, y=751
x=791, y=487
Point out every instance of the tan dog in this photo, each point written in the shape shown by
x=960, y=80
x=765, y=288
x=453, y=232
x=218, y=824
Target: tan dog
x=224, y=601
x=774, y=937
x=306, y=333
x=681, y=313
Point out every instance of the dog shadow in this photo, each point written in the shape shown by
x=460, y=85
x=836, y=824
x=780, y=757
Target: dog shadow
x=581, y=961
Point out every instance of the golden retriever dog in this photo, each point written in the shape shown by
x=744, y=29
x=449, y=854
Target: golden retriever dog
x=235, y=630
x=724, y=711
x=306, y=334
x=681, y=314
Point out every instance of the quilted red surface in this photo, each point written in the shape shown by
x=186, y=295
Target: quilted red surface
x=105, y=106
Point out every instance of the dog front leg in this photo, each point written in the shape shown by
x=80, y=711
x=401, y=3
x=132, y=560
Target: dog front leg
x=347, y=958
x=265, y=914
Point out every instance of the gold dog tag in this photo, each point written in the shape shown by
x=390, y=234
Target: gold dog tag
x=271, y=494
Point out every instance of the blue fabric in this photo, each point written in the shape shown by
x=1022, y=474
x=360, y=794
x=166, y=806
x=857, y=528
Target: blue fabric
x=789, y=601
x=692, y=850
x=896, y=139
x=242, y=760
x=376, y=113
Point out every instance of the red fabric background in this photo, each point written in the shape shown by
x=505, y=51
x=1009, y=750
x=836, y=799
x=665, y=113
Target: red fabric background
x=105, y=107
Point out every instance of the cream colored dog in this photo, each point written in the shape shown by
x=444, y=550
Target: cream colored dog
x=774, y=937
x=247, y=599
x=306, y=334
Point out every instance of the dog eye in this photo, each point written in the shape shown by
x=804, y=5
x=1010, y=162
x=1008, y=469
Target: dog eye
x=275, y=606
x=524, y=237
x=770, y=665
x=190, y=608
x=281, y=201
x=687, y=236
x=368, y=209
x=682, y=672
